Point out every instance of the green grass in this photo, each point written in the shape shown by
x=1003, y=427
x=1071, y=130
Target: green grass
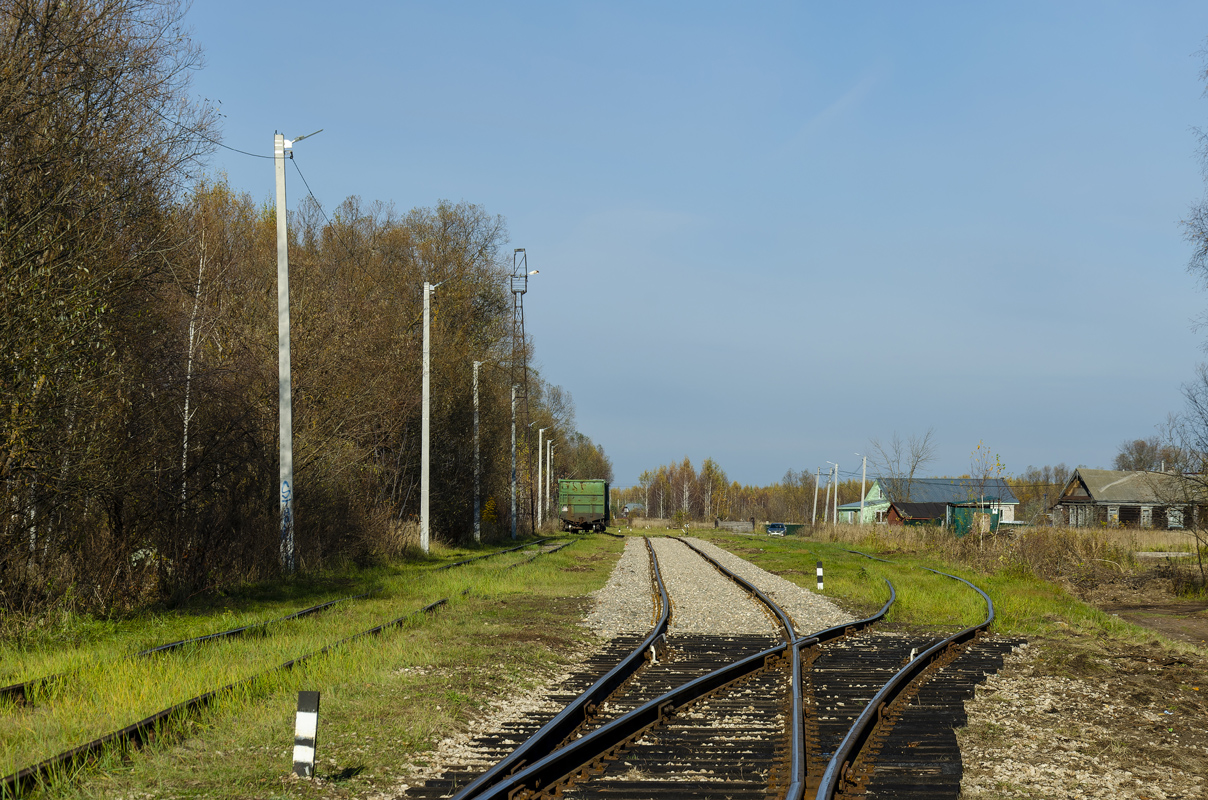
x=67, y=641
x=386, y=701
x=1024, y=604
x=107, y=693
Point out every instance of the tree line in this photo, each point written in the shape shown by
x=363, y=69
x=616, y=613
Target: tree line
x=681, y=493
x=138, y=328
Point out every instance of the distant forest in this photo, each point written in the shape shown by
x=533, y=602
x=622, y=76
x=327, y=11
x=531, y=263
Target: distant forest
x=680, y=492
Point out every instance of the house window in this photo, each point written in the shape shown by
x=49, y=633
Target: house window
x=1146, y=516
x=1113, y=515
x=1174, y=517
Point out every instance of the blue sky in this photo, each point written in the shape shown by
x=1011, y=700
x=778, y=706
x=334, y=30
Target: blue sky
x=787, y=228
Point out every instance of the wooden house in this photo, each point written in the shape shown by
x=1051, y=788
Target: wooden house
x=1137, y=499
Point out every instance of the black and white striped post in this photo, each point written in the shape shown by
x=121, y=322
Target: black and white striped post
x=305, y=731
x=819, y=576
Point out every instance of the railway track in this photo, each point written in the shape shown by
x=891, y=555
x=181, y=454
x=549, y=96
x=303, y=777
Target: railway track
x=138, y=733
x=844, y=712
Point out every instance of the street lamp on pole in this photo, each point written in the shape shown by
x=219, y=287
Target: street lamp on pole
x=540, y=453
x=285, y=407
x=425, y=479
x=549, y=471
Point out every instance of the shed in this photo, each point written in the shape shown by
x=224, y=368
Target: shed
x=917, y=513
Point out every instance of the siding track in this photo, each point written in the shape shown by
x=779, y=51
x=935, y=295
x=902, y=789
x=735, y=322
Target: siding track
x=845, y=712
x=139, y=733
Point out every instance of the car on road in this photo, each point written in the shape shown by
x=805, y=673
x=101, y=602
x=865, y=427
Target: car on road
x=777, y=529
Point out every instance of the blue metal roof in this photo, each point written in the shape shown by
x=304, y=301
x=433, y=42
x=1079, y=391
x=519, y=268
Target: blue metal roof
x=948, y=490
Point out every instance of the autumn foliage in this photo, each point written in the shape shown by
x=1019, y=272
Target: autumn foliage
x=138, y=339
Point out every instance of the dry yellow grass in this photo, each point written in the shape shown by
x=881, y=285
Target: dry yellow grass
x=1066, y=555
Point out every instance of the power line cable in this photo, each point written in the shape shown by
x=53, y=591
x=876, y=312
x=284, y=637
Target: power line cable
x=198, y=133
x=356, y=261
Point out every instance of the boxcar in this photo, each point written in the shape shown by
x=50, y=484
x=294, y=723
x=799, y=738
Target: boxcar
x=583, y=504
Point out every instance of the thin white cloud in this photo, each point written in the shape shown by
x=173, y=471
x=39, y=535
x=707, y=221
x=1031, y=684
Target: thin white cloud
x=838, y=109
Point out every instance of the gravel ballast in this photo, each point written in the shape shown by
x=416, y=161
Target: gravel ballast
x=703, y=600
x=625, y=603
x=1127, y=731
x=810, y=612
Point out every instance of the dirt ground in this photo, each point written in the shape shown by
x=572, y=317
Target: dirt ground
x=1149, y=600
x=1084, y=717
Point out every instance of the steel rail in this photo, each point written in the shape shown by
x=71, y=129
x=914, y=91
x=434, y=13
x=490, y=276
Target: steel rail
x=797, y=789
x=860, y=731
x=796, y=784
x=489, y=555
x=551, y=735
x=866, y=555
x=540, y=553
x=593, y=746
x=19, y=692
x=839, y=631
x=797, y=781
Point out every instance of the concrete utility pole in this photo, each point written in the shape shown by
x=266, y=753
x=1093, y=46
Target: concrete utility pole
x=540, y=453
x=826, y=505
x=285, y=407
x=863, y=479
x=285, y=411
x=425, y=478
x=817, y=477
x=514, y=387
x=477, y=463
x=549, y=471
x=835, y=519
x=835, y=481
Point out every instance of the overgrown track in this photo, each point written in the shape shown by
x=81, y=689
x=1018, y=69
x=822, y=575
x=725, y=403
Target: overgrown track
x=21, y=692
x=138, y=733
x=845, y=712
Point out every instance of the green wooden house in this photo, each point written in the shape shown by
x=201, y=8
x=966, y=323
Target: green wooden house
x=992, y=495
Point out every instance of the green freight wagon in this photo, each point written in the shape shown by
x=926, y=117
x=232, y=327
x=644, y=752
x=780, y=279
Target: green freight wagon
x=583, y=504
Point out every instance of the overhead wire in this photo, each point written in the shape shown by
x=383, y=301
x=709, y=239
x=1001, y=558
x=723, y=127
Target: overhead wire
x=356, y=261
x=198, y=133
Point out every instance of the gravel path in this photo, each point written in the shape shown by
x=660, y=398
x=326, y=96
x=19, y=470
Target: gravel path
x=703, y=601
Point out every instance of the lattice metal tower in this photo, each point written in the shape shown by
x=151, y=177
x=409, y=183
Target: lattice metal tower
x=519, y=361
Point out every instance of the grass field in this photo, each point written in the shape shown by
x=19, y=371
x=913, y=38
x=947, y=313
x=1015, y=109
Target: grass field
x=1024, y=605
x=108, y=692
x=388, y=700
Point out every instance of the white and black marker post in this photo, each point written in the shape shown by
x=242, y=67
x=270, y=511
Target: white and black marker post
x=819, y=577
x=305, y=731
